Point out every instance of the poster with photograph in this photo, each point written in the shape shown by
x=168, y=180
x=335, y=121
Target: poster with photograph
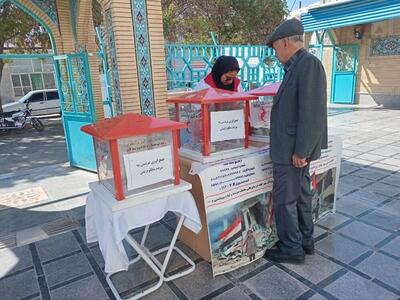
x=240, y=233
x=239, y=204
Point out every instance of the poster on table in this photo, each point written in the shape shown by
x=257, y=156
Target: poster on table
x=238, y=203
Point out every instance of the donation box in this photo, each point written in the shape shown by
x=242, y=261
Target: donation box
x=217, y=120
x=135, y=154
x=260, y=109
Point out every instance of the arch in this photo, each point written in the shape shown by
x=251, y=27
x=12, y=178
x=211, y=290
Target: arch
x=52, y=30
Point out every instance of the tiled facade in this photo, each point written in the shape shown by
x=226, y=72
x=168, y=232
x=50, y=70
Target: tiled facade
x=143, y=58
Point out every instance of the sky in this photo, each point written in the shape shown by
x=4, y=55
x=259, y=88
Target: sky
x=303, y=3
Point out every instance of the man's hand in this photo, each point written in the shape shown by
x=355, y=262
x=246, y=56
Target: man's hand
x=298, y=161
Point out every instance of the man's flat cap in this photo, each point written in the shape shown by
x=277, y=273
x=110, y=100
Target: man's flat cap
x=285, y=29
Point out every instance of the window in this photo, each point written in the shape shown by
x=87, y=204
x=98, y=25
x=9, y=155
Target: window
x=16, y=80
x=52, y=95
x=49, y=82
x=31, y=74
x=25, y=80
x=37, y=81
x=36, y=97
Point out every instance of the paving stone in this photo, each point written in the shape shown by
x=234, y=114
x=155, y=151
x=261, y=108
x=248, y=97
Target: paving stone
x=138, y=275
x=65, y=269
x=189, y=252
x=383, y=189
x=248, y=268
x=346, y=168
x=382, y=267
x=176, y=262
x=354, y=181
x=350, y=153
x=371, y=174
x=393, y=247
x=340, y=248
x=392, y=207
x=393, y=180
x=367, y=197
x=169, y=216
x=361, y=148
x=172, y=223
x=371, y=157
x=386, y=151
x=352, y=207
x=158, y=236
x=15, y=259
x=57, y=246
x=383, y=219
x=30, y=235
x=274, y=283
x=352, y=286
x=344, y=189
x=386, y=167
x=88, y=288
x=332, y=220
x=391, y=161
x=232, y=294
x=13, y=220
x=374, y=144
x=317, y=297
x=19, y=286
x=200, y=282
x=163, y=293
x=367, y=234
x=318, y=231
x=359, y=162
x=98, y=256
x=316, y=268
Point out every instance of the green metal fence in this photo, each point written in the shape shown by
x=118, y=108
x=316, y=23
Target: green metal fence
x=189, y=64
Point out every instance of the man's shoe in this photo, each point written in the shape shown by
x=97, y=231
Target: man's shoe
x=276, y=255
x=309, y=250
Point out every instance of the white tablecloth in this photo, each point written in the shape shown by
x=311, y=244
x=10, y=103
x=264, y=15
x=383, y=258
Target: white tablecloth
x=110, y=228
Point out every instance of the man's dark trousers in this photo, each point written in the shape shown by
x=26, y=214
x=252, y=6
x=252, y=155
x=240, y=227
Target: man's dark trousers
x=292, y=200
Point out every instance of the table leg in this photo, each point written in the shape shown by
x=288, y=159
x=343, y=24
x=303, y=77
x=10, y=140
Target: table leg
x=150, y=258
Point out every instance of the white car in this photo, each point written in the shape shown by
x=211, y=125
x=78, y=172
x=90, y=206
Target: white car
x=42, y=102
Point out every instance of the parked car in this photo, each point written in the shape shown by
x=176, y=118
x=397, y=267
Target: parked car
x=42, y=102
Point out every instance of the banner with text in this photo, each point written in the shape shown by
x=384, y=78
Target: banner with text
x=238, y=203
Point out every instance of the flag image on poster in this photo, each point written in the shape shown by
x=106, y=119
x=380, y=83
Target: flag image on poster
x=240, y=233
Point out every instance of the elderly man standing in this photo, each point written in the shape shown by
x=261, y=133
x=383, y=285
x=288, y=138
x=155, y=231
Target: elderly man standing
x=298, y=132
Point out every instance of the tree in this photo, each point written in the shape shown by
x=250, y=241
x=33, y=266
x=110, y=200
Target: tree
x=233, y=21
x=23, y=31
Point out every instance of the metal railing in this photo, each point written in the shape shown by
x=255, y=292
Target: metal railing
x=189, y=64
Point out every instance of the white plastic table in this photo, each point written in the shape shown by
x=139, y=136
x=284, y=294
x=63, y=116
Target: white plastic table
x=109, y=221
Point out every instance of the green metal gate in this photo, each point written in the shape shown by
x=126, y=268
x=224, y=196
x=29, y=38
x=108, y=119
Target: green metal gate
x=77, y=106
x=344, y=74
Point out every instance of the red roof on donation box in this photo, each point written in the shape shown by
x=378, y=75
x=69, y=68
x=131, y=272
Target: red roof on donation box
x=128, y=125
x=266, y=90
x=211, y=95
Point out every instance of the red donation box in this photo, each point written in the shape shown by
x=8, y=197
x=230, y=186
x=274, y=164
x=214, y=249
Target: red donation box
x=260, y=109
x=135, y=154
x=217, y=119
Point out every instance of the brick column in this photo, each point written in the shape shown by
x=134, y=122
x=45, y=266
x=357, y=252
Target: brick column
x=136, y=53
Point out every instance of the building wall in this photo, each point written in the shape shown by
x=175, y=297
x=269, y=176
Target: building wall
x=377, y=75
x=126, y=68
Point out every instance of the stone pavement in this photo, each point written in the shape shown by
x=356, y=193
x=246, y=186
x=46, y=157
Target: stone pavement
x=31, y=149
x=357, y=256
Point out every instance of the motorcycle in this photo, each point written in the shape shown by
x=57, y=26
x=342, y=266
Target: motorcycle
x=18, y=120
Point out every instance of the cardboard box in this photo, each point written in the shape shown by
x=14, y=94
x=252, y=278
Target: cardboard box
x=200, y=242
